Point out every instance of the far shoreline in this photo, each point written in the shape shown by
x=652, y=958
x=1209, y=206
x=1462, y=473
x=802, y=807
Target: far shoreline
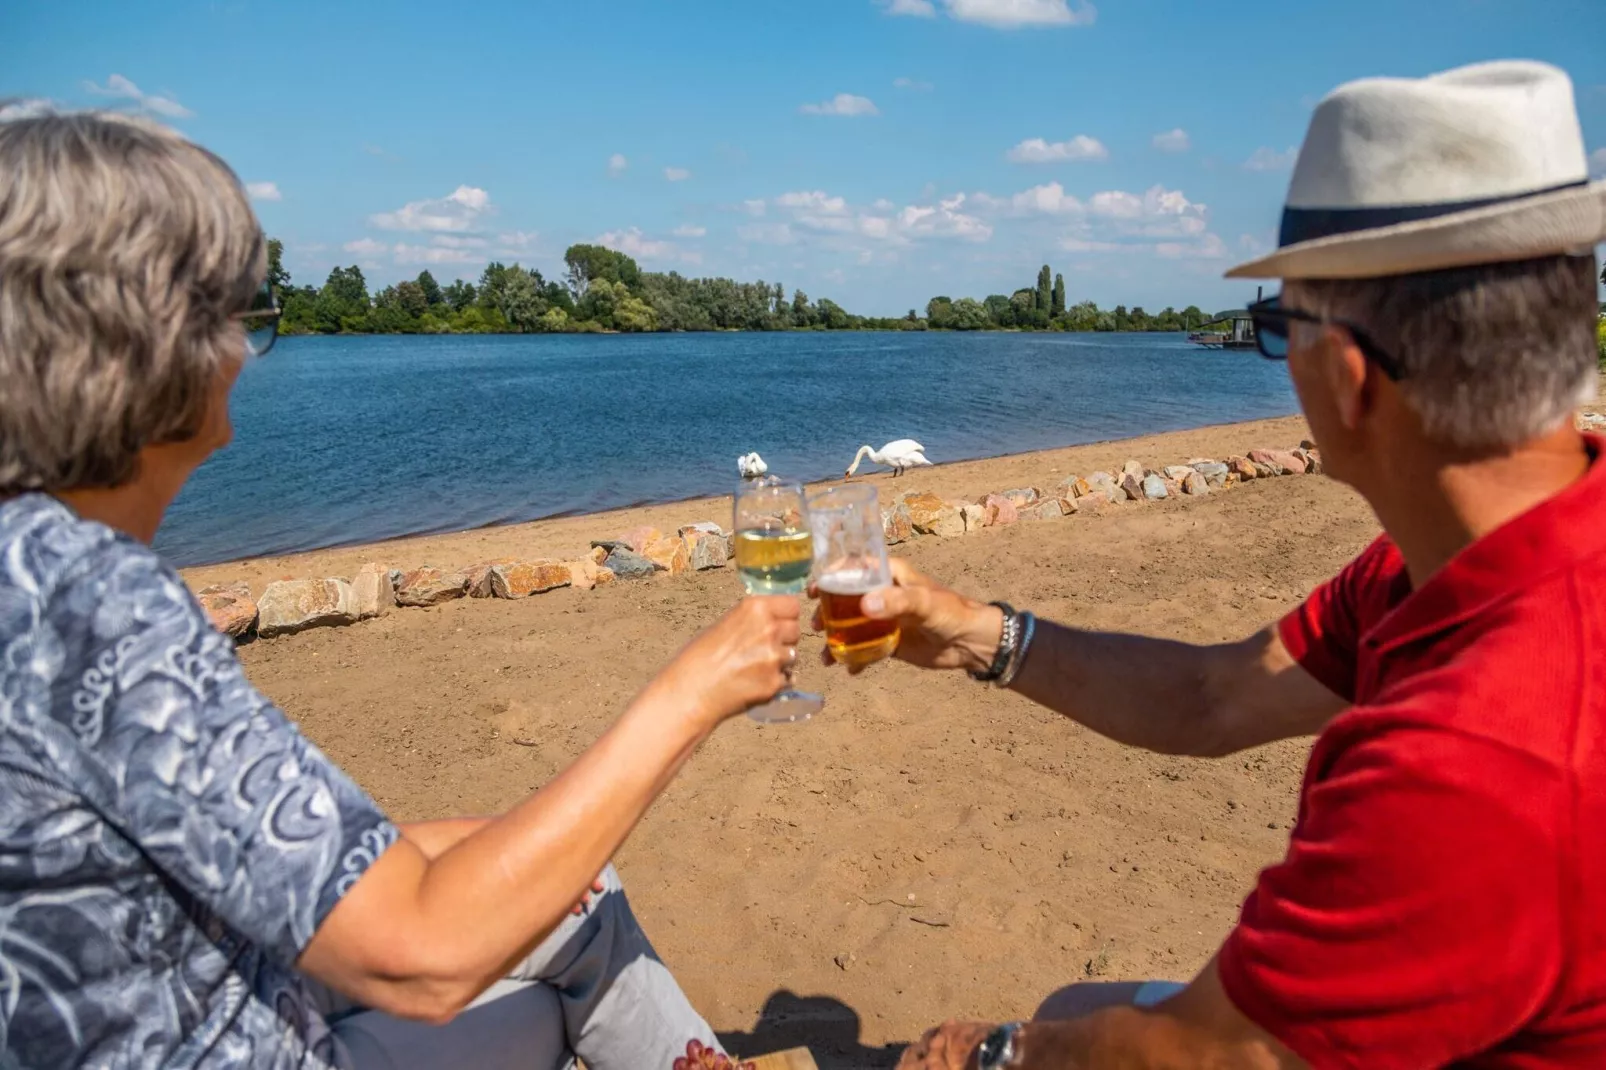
x=566, y=536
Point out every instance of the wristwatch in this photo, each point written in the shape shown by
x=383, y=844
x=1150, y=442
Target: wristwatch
x=999, y=1050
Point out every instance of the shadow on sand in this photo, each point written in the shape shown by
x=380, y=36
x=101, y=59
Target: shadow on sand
x=826, y=1026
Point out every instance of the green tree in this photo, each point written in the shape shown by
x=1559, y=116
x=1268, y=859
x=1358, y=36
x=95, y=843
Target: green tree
x=589, y=263
x=431, y=288
x=1022, y=303
x=832, y=315
x=940, y=312
x=519, y=299
x=459, y=295
x=278, y=277
x=1192, y=317
x=802, y=314
x=412, y=299
x=1045, y=289
x=1000, y=310
x=969, y=314
x=1057, y=302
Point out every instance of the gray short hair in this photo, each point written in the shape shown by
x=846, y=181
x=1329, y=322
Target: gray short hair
x=1493, y=355
x=124, y=251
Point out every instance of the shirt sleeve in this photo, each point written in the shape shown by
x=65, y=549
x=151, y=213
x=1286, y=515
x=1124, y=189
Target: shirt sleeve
x=1323, y=634
x=194, y=766
x=1414, y=921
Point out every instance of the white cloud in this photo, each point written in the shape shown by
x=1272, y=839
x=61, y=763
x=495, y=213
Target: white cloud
x=922, y=9
x=634, y=243
x=1173, y=141
x=1011, y=14
x=26, y=108
x=688, y=230
x=515, y=239
x=118, y=86
x=1264, y=159
x=842, y=104
x=365, y=247
x=263, y=191
x=844, y=225
x=813, y=202
x=1597, y=163
x=459, y=210
x=754, y=206
x=913, y=83
x=676, y=174
x=617, y=164
x=1207, y=247
x=404, y=253
x=767, y=233
x=1037, y=150
x=452, y=241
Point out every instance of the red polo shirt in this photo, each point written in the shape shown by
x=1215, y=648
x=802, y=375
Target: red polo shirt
x=1443, y=901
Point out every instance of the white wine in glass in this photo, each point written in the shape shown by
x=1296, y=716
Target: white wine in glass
x=774, y=555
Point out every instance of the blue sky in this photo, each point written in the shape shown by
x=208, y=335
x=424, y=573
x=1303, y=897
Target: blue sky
x=873, y=151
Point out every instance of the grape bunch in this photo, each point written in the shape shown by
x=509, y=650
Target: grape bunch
x=698, y=1057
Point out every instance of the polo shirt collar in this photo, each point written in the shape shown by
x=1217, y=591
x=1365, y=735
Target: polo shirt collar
x=1555, y=534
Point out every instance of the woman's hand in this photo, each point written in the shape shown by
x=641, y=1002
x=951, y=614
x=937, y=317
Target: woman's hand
x=741, y=660
x=939, y=629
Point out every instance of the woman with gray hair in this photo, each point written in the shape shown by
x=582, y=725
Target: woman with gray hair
x=184, y=879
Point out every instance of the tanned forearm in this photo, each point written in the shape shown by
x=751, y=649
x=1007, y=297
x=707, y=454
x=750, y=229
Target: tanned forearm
x=483, y=902
x=435, y=838
x=1144, y=692
x=1126, y=1038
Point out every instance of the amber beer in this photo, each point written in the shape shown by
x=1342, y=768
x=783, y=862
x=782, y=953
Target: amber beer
x=854, y=639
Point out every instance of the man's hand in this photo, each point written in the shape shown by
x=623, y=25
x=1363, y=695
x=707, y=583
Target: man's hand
x=950, y=1046
x=597, y=888
x=940, y=629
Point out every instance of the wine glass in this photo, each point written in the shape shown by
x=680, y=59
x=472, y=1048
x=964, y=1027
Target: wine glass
x=774, y=555
x=850, y=554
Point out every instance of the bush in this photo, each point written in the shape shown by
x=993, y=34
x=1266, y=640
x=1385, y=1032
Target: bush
x=1600, y=339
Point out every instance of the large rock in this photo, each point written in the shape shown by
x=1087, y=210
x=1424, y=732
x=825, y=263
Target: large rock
x=897, y=524
x=428, y=586
x=529, y=577
x=1195, y=483
x=1132, y=468
x=1312, y=459
x=706, y=527
x=999, y=510
x=1154, y=487
x=1048, y=509
x=974, y=515
x=375, y=593
x=669, y=554
x=1132, y=487
x=585, y=574
x=1281, y=462
x=1098, y=502
x=705, y=549
x=1215, y=473
x=1176, y=472
x=1105, y=485
x=930, y=515
x=479, y=576
x=1243, y=468
x=295, y=605
x=1075, y=487
x=598, y=554
x=1173, y=487
x=638, y=539
x=230, y=607
x=1023, y=496
x=628, y=565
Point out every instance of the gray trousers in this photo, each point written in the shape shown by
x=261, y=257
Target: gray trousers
x=594, y=989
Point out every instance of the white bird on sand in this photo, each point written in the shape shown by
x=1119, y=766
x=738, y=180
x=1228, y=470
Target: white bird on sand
x=751, y=466
x=904, y=453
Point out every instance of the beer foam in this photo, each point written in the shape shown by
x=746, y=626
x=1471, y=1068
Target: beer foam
x=853, y=581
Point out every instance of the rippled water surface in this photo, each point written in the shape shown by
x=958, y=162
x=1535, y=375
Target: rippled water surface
x=341, y=440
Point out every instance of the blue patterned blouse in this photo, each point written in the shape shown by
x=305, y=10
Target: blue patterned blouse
x=168, y=840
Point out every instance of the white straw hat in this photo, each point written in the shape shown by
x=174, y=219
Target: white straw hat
x=1479, y=165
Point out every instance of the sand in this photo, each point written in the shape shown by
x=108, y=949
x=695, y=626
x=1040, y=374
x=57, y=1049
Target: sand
x=926, y=847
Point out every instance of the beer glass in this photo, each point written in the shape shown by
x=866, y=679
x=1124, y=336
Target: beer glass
x=850, y=561
x=774, y=555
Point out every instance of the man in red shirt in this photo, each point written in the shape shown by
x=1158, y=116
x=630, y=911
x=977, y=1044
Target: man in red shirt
x=1443, y=898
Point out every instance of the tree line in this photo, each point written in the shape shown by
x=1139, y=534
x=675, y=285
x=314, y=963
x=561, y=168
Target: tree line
x=606, y=290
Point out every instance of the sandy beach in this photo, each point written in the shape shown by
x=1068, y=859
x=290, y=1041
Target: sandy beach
x=926, y=847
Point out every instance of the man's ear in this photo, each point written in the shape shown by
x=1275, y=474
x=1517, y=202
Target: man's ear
x=1348, y=375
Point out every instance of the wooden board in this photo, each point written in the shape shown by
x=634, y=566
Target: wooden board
x=792, y=1059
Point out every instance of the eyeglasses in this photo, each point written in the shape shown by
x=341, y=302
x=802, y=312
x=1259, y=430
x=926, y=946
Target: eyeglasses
x=261, y=321
x=1271, y=334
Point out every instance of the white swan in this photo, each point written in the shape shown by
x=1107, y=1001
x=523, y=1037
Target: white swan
x=904, y=453
x=751, y=466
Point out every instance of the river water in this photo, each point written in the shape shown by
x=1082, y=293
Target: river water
x=355, y=439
